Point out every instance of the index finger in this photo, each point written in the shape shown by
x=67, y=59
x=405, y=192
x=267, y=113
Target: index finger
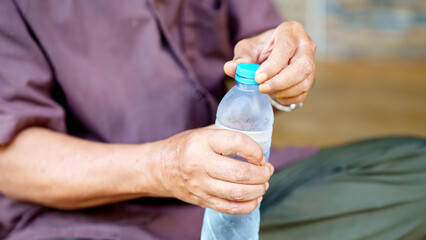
x=236, y=171
x=285, y=45
x=228, y=142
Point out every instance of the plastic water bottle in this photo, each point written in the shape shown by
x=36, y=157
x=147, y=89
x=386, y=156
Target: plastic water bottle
x=243, y=109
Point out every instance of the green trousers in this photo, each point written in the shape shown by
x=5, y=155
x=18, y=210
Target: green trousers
x=373, y=189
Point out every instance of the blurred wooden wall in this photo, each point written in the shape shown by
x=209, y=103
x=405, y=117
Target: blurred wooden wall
x=371, y=71
x=374, y=29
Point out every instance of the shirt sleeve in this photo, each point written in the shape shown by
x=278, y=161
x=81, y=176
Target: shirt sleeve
x=251, y=17
x=26, y=79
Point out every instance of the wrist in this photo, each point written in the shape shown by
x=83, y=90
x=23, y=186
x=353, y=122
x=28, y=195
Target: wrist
x=164, y=163
x=142, y=170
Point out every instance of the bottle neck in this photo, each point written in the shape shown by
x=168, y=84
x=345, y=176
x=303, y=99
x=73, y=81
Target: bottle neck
x=248, y=87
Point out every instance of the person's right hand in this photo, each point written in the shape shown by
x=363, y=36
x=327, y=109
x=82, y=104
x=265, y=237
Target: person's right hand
x=195, y=169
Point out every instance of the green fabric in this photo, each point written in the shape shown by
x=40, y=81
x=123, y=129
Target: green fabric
x=373, y=189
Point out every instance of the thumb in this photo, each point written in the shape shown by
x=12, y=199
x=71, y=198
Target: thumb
x=243, y=53
x=231, y=66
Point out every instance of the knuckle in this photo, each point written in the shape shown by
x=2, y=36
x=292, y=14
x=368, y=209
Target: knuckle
x=190, y=140
x=294, y=24
x=307, y=66
x=241, y=44
x=234, y=208
x=314, y=46
x=224, y=207
x=305, y=86
x=242, y=172
x=239, y=139
x=288, y=47
x=266, y=175
x=256, y=151
x=237, y=194
x=190, y=165
x=242, y=140
x=290, y=50
x=283, y=25
x=263, y=190
x=259, y=152
x=213, y=203
x=253, y=206
x=300, y=98
x=194, y=186
x=210, y=202
x=196, y=199
x=297, y=24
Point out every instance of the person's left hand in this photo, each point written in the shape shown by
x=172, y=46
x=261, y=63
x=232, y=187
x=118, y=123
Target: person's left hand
x=286, y=58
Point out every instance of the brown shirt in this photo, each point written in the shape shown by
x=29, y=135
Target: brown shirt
x=130, y=71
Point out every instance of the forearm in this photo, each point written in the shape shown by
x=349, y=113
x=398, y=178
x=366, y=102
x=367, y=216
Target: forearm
x=61, y=171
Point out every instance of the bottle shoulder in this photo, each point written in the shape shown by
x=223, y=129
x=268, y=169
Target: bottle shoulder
x=245, y=110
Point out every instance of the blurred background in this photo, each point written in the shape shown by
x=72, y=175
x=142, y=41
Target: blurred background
x=370, y=75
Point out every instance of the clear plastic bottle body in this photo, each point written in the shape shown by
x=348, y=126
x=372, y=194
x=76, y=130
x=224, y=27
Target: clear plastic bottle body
x=246, y=110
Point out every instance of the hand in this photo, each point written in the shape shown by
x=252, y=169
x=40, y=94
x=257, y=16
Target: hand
x=195, y=169
x=286, y=58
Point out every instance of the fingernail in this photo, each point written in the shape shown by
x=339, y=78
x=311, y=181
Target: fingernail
x=263, y=161
x=267, y=185
x=229, y=62
x=259, y=200
x=229, y=69
x=264, y=88
x=260, y=77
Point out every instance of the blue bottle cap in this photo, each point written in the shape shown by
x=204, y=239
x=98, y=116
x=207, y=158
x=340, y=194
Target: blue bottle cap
x=245, y=73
